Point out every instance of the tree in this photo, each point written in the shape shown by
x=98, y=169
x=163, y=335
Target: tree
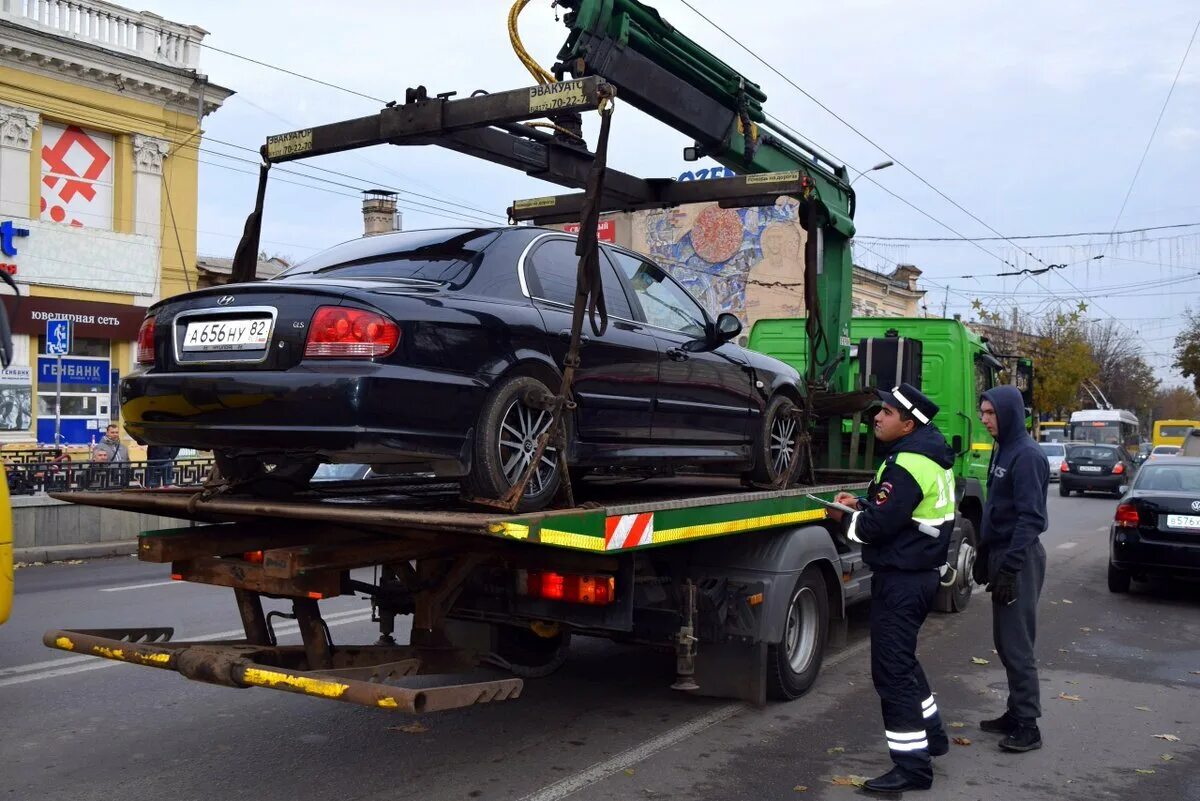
x=1187, y=348
x=1176, y=403
x=1062, y=362
x=1123, y=373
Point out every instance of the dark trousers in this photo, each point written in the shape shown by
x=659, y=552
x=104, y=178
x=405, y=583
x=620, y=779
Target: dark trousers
x=1014, y=629
x=900, y=601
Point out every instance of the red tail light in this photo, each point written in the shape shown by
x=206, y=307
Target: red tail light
x=1119, y=469
x=1127, y=516
x=145, y=342
x=340, y=332
x=1064, y=468
x=591, y=590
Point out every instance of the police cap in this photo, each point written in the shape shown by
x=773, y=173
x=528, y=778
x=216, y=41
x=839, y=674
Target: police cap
x=911, y=400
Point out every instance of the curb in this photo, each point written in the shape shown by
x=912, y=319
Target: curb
x=62, y=553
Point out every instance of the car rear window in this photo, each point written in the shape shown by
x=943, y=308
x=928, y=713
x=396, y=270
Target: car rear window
x=441, y=256
x=1166, y=450
x=1169, y=478
x=1053, y=450
x=1091, y=452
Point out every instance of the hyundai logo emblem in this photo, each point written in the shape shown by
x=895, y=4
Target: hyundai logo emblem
x=225, y=300
x=1196, y=506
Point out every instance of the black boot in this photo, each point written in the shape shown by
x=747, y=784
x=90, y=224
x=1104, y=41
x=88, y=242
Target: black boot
x=1005, y=724
x=895, y=781
x=939, y=747
x=1026, y=737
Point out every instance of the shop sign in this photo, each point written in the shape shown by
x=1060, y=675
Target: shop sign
x=90, y=319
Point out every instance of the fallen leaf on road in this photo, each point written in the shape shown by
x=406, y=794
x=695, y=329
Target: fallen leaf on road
x=410, y=728
x=1170, y=738
x=1066, y=697
x=1084, y=628
x=837, y=749
x=629, y=771
x=961, y=741
x=1143, y=709
x=1063, y=651
x=958, y=724
x=1166, y=757
x=1145, y=771
x=849, y=781
x=1071, y=681
x=1065, y=601
x=1196, y=672
x=800, y=788
x=975, y=660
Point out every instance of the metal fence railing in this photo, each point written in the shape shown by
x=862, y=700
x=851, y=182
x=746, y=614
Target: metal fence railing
x=31, y=478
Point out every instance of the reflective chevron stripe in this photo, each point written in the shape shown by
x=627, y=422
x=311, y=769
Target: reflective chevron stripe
x=628, y=531
x=906, y=740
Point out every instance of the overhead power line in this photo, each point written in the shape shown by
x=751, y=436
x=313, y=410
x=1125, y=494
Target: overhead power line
x=1026, y=236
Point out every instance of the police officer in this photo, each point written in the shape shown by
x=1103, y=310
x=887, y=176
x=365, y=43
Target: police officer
x=904, y=524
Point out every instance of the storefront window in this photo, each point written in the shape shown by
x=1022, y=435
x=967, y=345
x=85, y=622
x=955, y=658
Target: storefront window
x=75, y=405
x=83, y=346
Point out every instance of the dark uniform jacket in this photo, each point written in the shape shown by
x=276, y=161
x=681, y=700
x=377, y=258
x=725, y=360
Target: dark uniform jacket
x=891, y=539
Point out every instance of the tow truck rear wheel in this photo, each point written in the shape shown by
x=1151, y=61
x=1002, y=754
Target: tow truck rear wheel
x=793, y=663
x=530, y=655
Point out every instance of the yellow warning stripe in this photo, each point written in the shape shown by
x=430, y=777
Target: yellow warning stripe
x=259, y=677
x=514, y=530
x=732, y=526
x=980, y=446
x=566, y=538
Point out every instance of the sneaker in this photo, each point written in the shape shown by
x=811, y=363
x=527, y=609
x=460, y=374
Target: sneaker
x=1005, y=724
x=1025, y=738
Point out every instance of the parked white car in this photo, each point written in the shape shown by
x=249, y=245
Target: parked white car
x=1055, y=452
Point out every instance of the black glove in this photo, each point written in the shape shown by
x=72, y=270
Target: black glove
x=1004, y=588
x=979, y=570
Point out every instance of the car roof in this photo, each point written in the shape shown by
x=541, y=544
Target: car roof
x=1178, y=461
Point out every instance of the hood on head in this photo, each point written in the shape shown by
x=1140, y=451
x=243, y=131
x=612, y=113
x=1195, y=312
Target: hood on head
x=1010, y=412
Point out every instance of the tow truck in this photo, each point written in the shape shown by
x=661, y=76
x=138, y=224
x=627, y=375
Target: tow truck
x=746, y=585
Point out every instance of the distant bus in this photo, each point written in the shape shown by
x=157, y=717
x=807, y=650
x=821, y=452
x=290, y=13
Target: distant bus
x=1172, y=432
x=1052, y=431
x=1107, y=427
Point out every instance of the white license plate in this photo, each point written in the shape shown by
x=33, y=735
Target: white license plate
x=227, y=334
x=1089, y=468
x=1183, y=521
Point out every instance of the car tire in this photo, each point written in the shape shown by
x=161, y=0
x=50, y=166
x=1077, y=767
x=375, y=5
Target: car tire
x=794, y=662
x=963, y=548
x=529, y=655
x=505, y=438
x=1063, y=491
x=775, y=444
x=263, y=478
x=1118, y=579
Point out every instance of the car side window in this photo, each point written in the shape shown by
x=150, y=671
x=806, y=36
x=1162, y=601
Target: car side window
x=665, y=303
x=551, y=270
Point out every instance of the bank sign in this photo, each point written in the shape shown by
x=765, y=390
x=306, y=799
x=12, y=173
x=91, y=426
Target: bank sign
x=76, y=374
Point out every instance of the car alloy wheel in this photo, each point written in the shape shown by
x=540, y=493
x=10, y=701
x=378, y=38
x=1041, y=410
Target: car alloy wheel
x=521, y=429
x=783, y=443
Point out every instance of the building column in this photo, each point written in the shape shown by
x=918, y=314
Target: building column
x=16, y=140
x=148, y=155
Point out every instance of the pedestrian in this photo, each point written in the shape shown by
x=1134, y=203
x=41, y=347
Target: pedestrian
x=160, y=465
x=904, y=524
x=1011, y=561
x=111, y=444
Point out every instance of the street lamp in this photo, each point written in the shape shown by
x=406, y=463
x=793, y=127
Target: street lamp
x=883, y=165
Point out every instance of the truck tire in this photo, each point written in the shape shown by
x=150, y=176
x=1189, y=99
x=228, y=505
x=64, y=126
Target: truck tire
x=529, y=655
x=775, y=445
x=963, y=548
x=504, y=441
x=793, y=663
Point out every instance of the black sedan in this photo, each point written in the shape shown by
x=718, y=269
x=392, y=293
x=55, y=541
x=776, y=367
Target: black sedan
x=425, y=352
x=1157, y=525
x=1095, y=468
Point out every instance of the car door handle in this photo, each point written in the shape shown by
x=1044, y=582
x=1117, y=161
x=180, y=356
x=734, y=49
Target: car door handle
x=677, y=355
x=566, y=334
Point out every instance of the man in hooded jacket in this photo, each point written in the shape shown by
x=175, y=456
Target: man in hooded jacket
x=1012, y=562
x=904, y=524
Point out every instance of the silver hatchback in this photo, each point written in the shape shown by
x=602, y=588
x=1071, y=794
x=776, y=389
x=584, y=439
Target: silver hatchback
x=1055, y=452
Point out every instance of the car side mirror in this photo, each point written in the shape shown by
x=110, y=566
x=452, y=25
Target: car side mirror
x=728, y=326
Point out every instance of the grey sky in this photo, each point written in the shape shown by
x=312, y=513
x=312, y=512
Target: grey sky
x=1033, y=116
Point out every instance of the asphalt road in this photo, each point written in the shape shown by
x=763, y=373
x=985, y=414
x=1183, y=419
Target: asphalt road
x=606, y=726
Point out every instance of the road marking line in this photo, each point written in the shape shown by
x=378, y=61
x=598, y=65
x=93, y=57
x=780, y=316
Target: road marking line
x=53, y=668
x=639, y=753
x=142, y=586
x=1066, y=546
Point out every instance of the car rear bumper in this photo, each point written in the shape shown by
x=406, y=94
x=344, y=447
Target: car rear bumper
x=368, y=413
x=1130, y=551
x=1109, y=483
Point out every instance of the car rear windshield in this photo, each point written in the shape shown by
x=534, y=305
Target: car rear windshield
x=1166, y=450
x=439, y=256
x=1169, y=478
x=1092, y=452
x=1052, y=450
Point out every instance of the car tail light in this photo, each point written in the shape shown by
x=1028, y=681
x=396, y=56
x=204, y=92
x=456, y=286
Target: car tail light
x=1127, y=516
x=1064, y=468
x=340, y=332
x=145, y=342
x=1119, y=469
x=575, y=589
